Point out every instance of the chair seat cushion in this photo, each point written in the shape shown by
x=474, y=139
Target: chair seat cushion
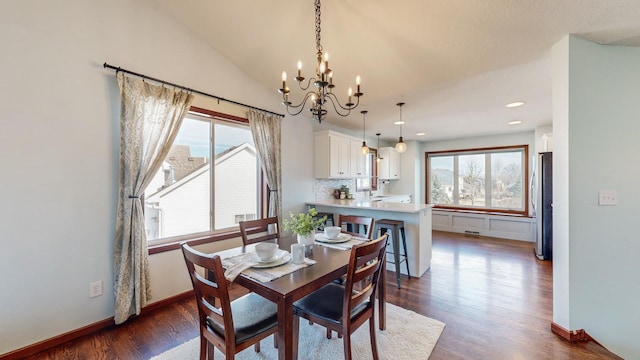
x=326, y=303
x=252, y=315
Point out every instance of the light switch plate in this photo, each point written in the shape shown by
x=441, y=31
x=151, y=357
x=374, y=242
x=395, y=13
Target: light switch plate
x=608, y=197
x=95, y=289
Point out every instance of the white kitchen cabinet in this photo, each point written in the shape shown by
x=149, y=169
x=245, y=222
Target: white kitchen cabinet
x=338, y=156
x=389, y=166
x=359, y=164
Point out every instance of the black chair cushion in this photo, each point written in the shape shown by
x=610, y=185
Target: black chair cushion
x=252, y=315
x=326, y=303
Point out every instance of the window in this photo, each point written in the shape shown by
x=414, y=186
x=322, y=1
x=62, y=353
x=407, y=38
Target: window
x=244, y=217
x=369, y=183
x=491, y=179
x=209, y=181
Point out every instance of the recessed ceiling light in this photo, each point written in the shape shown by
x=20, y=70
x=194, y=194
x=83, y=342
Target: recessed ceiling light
x=515, y=122
x=515, y=104
x=398, y=123
x=420, y=134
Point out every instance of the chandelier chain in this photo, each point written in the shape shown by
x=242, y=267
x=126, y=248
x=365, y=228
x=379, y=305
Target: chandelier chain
x=318, y=44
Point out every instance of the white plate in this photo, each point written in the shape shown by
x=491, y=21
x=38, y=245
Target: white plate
x=282, y=258
x=340, y=239
x=275, y=257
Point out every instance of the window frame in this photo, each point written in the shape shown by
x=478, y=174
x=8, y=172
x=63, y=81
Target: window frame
x=173, y=243
x=484, y=151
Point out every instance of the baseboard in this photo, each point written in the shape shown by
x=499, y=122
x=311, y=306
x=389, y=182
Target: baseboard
x=571, y=335
x=164, y=302
x=86, y=330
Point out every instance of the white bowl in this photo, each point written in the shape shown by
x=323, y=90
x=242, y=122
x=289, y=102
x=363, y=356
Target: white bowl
x=332, y=232
x=266, y=251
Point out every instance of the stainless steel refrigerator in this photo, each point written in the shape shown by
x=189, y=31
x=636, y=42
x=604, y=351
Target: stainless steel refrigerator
x=542, y=204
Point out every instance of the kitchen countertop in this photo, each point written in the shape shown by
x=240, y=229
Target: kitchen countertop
x=373, y=205
x=389, y=196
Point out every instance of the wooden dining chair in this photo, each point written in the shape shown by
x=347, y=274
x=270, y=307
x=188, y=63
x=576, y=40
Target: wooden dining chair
x=342, y=308
x=259, y=230
x=353, y=224
x=234, y=325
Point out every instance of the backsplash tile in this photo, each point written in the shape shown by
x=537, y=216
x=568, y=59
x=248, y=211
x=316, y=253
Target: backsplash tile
x=324, y=188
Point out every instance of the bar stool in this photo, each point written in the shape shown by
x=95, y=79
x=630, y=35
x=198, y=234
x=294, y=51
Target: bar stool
x=397, y=229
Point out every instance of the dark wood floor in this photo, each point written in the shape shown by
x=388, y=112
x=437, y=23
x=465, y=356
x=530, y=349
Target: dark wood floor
x=494, y=296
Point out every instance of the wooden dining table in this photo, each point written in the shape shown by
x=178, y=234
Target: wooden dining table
x=330, y=265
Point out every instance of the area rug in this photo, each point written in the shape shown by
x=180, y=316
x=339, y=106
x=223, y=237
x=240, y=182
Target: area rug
x=408, y=336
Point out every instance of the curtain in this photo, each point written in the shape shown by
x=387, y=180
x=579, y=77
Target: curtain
x=265, y=129
x=150, y=118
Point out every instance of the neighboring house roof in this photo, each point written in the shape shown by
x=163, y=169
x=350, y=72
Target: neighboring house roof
x=203, y=168
x=183, y=163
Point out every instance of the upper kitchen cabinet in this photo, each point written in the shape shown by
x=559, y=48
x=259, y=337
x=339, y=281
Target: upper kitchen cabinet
x=338, y=156
x=360, y=163
x=389, y=166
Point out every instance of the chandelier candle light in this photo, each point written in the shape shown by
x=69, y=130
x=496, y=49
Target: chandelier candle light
x=400, y=146
x=323, y=82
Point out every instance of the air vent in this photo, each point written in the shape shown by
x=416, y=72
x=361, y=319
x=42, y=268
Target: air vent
x=470, y=233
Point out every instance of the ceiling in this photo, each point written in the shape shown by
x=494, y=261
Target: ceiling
x=455, y=63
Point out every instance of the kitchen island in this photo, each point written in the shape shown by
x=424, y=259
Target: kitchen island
x=417, y=224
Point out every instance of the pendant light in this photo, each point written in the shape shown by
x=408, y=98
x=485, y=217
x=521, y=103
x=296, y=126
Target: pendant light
x=378, y=157
x=401, y=146
x=364, y=148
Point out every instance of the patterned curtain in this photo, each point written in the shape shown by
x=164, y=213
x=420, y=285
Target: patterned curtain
x=149, y=122
x=265, y=129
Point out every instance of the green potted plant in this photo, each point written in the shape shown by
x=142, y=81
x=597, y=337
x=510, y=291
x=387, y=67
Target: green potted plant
x=304, y=225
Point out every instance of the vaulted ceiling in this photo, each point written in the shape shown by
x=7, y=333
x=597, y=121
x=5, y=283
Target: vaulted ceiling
x=455, y=63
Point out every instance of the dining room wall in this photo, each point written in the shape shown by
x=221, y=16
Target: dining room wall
x=60, y=146
x=595, y=247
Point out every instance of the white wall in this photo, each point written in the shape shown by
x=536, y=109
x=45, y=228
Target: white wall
x=522, y=138
x=411, y=173
x=595, y=146
x=560, y=64
x=60, y=143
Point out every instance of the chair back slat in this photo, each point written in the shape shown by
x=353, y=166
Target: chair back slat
x=355, y=222
x=209, y=292
x=260, y=230
x=365, y=264
x=210, y=289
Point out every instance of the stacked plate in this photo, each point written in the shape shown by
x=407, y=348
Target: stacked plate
x=281, y=257
x=321, y=237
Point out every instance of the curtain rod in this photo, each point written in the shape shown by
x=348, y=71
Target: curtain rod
x=187, y=89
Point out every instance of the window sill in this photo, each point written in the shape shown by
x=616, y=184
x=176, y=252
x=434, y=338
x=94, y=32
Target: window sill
x=482, y=212
x=193, y=241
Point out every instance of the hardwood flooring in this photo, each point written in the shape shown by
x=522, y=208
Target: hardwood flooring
x=493, y=294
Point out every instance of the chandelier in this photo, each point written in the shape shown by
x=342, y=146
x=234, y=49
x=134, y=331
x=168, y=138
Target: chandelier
x=322, y=92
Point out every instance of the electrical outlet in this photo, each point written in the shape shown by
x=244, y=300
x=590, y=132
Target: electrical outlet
x=95, y=289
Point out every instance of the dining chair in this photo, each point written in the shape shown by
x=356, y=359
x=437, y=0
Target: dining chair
x=343, y=308
x=234, y=325
x=353, y=224
x=259, y=230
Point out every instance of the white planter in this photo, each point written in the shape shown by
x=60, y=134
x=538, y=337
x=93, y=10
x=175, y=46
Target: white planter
x=306, y=240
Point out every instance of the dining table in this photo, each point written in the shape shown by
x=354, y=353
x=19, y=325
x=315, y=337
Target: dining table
x=330, y=263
